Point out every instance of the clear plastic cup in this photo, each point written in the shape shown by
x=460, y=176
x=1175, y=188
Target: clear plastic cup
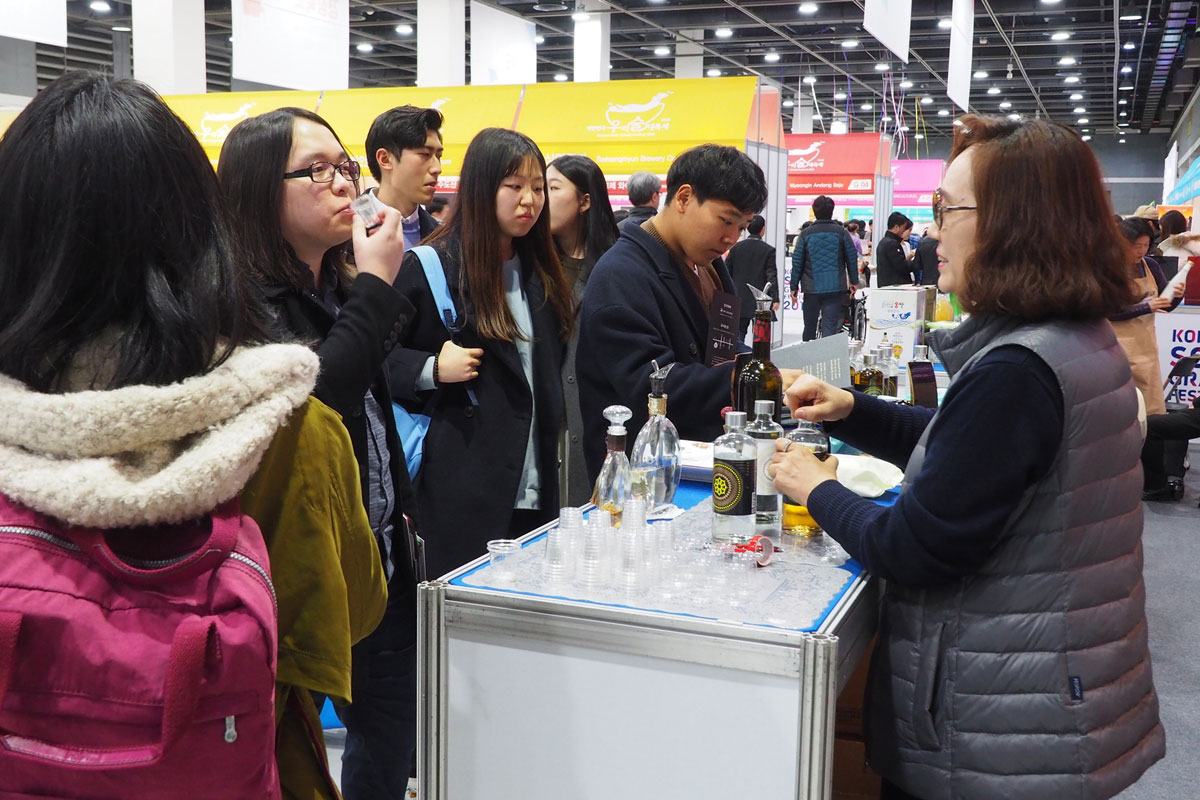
x=501, y=552
x=554, y=570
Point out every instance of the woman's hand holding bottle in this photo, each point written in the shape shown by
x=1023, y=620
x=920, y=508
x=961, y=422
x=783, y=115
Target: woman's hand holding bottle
x=817, y=401
x=381, y=252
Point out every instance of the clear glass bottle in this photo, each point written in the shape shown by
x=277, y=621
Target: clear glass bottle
x=796, y=519
x=655, y=459
x=856, y=348
x=764, y=430
x=885, y=360
x=735, y=460
x=614, y=483
x=758, y=378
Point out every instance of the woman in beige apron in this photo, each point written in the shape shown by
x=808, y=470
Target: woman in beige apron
x=1135, y=325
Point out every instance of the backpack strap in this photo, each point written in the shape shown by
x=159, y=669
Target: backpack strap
x=436, y=276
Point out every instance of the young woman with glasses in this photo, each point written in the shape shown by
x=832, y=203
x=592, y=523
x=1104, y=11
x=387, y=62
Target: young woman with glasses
x=1012, y=659
x=493, y=389
x=289, y=182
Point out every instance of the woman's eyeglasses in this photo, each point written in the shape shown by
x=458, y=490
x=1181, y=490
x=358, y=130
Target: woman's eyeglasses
x=322, y=171
x=940, y=209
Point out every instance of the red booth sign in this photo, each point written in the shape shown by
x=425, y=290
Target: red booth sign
x=835, y=164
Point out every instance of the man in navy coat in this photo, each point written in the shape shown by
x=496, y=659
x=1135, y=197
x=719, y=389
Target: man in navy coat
x=650, y=295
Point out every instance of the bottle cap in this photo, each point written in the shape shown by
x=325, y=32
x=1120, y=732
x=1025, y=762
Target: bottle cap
x=658, y=379
x=616, y=416
x=764, y=407
x=735, y=420
x=762, y=300
x=920, y=352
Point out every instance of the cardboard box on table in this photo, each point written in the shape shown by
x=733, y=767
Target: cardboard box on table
x=897, y=312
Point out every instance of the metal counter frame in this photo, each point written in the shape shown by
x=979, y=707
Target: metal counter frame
x=819, y=662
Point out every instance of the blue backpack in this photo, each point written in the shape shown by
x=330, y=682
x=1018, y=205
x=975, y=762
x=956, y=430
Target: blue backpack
x=411, y=426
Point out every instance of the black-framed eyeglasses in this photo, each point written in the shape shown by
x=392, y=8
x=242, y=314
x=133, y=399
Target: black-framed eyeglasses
x=322, y=171
x=940, y=209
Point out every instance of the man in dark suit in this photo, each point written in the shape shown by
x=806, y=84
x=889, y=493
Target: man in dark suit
x=892, y=267
x=926, y=261
x=752, y=261
x=404, y=154
x=650, y=296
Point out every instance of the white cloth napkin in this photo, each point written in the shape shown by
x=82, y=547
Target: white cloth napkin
x=867, y=476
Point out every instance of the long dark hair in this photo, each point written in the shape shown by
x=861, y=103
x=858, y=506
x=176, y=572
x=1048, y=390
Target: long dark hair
x=1023, y=266
x=253, y=160
x=599, y=225
x=493, y=155
x=131, y=238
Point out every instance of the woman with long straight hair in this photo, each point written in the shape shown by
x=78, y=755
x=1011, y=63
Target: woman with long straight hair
x=492, y=388
x=583, y=226
x=289, y=182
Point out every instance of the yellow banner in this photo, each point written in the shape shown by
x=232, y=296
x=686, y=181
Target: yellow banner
x=212, y=116
x=631, y=125
x=6, y=118
x=467, y=109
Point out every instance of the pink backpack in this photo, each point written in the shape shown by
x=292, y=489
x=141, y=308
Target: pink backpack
x=124, y=678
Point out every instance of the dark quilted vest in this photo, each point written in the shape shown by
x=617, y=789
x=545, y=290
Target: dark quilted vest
x=1031, y=678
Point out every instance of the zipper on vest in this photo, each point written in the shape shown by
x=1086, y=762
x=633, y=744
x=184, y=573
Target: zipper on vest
x=67, y=544
x=230, y=730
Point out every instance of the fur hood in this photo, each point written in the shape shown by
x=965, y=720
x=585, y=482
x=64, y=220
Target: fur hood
x=146, y=455
x=1183, y=241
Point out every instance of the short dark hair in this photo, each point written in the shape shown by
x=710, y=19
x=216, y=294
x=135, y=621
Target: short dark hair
x=253, y=160
x=1023, y=267
x=136, y=242
x=897, y=218
x=435, y=205
x=719, y=172
x=1132, y=228
x=399, y=128
x=823, y=207
x=642, y=186
x=1174, y=222
x=757, y=223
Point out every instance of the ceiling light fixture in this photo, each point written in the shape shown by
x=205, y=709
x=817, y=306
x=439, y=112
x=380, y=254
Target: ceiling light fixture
x=866, y=106
x=882, y=66
x=1087, y=138
x=926, y=100
x=100, y=7
x=849, y=43
x=1060, y=36
x=1080, y=110
x=581, y=16
x=1123, y=114
x=945, y=23
x=1082, y=121
x=1122, y=102
x=364, y=47
x=406, y=30
x=943, y=113
x=1129, y=17
x=1120, y=141
x=1014, y=117
x=905, y=84
x=1005, y=105
x=1128, y=46
x=810, y=79
x=121, y=28
x=839, y=95
x=560, y=76
x=662, y=51
x=1125, y=88
x=788, y=103
x=1067, y=61
x=980, y=74
x=1125, y=70
x=1071, y=79
x=549, y=6
x=903, y=129
x=771, y=57
x=816, y=116
x=536, y=39
x=993, y=90
x=723, y=33
x=1076, y=96
x=808, y=8
x=713, y=73
x=919, y=136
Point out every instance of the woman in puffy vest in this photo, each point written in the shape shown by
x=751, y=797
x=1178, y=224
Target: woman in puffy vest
x=1012, y=658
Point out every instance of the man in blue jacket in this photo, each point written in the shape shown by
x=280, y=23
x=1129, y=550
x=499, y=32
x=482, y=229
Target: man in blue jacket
x=649, y=298
x=825, y=268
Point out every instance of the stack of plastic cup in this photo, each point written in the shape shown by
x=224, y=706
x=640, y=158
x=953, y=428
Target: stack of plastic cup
x=569, y=532
x=629, y=579
x=592, y=564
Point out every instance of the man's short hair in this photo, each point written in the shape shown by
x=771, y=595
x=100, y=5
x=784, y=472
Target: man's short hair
x=897, y=218
x=642, y=186
x=757, y=223
x=399, y=128
x=719, y=172
x=823, y=207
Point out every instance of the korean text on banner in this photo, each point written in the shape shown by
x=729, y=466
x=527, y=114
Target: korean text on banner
x=297, y=45
x=212, y=116
x=962, y=33
x=844, y=164
x=44, y=21
x=627, y=126
x=890, y=21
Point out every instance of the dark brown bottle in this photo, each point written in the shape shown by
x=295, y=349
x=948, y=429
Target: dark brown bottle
x=869, y=379
x=759, y=379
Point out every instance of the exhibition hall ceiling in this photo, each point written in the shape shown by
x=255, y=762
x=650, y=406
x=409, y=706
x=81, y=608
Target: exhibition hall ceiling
x=1122, y=66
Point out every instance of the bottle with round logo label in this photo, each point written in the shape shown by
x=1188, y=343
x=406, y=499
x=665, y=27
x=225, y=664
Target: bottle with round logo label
x=735, y=464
